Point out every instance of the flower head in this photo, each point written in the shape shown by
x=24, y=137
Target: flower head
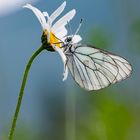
x=53, y=32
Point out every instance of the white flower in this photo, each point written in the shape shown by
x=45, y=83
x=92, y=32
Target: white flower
x=57, y=31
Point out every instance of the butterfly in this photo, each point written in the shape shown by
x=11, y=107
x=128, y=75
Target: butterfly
x=93, y=68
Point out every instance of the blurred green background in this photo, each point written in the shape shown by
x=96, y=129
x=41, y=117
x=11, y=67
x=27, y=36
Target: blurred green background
x=56, y=110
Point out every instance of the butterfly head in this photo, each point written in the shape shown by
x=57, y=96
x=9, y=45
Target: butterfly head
x=68, y=39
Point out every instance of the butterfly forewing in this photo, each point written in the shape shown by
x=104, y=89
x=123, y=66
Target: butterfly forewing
x=93, y=68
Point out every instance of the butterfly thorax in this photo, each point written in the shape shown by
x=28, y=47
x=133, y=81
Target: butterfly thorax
x=69, y=49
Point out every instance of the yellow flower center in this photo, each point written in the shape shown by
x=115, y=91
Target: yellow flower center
x=53, y=39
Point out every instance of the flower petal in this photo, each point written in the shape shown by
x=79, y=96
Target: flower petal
x=61, y=33
x=64, y=20
x=59, y=29
x=64, y=60
x=46, y=14
x=65, y=73
x=55, y=14
x=58, y=11
x=49, y=22
x=39, y=15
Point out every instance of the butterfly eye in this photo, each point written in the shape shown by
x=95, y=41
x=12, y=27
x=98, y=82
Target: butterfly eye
x=68, y=39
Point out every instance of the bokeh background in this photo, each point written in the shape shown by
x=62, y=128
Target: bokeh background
x=53, y=109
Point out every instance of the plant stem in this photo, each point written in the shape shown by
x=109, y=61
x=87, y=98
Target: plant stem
x=26, y=72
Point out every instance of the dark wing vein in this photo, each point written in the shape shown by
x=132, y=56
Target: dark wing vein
x=93, y=68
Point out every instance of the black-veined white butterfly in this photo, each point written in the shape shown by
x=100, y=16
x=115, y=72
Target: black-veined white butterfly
x=93, y=68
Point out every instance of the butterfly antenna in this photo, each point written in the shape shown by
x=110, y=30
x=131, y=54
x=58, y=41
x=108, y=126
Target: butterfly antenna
x=80, y=24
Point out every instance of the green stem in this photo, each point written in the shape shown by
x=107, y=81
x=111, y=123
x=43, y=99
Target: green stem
x=26, y=72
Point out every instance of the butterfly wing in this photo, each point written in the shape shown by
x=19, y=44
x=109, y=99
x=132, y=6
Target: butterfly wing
x=94, y=69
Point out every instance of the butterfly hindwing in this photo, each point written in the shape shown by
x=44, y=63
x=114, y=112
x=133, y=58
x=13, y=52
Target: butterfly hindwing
x=94, y=69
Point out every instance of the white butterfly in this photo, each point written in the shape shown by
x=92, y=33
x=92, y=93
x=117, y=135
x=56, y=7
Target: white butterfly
x=93, y=68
